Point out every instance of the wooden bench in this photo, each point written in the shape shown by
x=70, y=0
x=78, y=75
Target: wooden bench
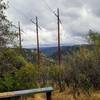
x=22, y=94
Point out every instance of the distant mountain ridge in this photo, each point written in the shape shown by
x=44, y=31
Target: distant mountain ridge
x=49, y=51
x=52, y=51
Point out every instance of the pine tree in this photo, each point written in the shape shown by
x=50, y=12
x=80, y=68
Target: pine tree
x=4, y=24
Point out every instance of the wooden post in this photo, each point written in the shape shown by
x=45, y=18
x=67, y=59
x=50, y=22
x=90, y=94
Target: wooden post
x=20, y=40
x=59, y=49
x=48, y=95
x=38, y=51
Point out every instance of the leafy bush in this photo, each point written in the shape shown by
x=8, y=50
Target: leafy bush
x=7, y=83
x=15, y=72
x=10, y=62
x=26, y=77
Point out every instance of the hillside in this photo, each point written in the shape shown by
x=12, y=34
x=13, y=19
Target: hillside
x=52, y=51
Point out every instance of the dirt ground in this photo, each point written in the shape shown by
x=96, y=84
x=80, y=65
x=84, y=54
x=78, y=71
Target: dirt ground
x=66, y=96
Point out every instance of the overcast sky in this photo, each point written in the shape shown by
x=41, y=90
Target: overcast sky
x=77, y=16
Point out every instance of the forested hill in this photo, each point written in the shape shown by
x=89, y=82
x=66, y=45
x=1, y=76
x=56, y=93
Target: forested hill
x=52, y=51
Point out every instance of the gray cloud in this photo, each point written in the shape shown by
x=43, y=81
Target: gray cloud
x=78, y=16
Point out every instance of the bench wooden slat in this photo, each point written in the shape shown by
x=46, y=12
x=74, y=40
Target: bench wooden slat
x=25, y=92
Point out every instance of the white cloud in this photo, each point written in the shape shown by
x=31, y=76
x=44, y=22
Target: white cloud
x=78, y=16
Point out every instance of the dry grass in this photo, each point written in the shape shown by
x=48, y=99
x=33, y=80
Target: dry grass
x=67, y=96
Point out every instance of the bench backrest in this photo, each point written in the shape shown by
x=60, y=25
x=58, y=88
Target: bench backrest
x=25, y=92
